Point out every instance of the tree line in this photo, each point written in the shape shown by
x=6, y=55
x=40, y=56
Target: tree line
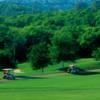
x=49, y=37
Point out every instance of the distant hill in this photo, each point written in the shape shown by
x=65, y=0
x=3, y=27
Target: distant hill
x=15, y=7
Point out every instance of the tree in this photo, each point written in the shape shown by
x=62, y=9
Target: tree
x=7, y=49
x=96, y=54
x=36, y=35
x=6, y=59
x=64, y=45
x=53, y=53
x=95, y=5
x=89, y=40
x=81, y=4
x=39, y=56
x=19, y=44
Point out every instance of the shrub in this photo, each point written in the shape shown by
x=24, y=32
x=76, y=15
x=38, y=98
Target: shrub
x=96, y=54
x=6, y=59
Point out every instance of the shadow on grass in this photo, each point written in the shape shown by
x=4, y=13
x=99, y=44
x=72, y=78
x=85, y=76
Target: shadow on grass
x=29, y=77
x=63, y=69
x=81, y=72
x=89, y=73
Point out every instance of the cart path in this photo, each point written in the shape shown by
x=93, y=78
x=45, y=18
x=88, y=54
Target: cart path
x=94, y=70
x=51, y=74
x=62, y=73
x=45, y=75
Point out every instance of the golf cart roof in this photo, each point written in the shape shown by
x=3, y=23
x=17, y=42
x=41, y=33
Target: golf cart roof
x=7, y=69
x=71, y=65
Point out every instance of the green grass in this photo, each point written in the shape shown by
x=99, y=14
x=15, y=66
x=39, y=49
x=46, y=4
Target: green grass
x=89, y=63
x=66, y=87
x=27, y=69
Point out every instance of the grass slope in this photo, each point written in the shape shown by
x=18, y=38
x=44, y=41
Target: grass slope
x=89, y=63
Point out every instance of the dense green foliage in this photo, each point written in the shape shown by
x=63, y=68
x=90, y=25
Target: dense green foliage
x=67, y=35
x=96, y=54
x=17, y=7
x=39, y=56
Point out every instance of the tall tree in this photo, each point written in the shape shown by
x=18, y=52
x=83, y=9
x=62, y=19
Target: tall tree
x=39, y=56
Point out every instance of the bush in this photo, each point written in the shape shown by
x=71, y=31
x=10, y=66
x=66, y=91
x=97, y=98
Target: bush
x=6, y=59
x=96, y=54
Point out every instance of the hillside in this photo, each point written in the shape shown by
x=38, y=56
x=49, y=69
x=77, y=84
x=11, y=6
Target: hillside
x=15, y=7
x=53, y=36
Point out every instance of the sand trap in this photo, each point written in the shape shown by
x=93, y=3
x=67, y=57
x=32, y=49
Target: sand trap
x=18, y=71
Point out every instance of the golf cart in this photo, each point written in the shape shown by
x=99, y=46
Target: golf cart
x=7, y=74
x=75, y=70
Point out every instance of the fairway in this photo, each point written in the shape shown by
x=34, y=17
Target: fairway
x=66, y=87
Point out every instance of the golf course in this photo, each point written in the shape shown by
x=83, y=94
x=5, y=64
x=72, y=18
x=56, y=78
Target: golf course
x=49, y=49
x=52, y=84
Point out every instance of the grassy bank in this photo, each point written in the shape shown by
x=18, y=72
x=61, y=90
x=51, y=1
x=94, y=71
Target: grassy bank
x=89, y=63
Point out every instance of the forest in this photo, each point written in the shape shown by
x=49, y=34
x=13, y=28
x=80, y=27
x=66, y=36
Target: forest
x=50, y=37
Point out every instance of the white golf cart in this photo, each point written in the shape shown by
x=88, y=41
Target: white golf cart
x=8, y=74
